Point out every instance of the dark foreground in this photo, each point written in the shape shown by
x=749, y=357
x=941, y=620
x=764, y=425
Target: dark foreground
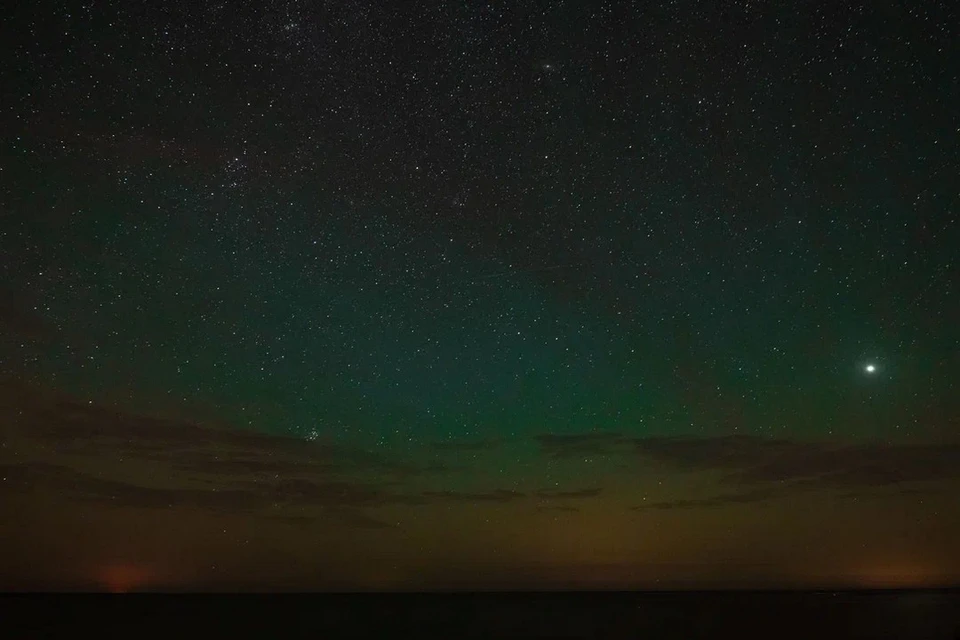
x=863, y=614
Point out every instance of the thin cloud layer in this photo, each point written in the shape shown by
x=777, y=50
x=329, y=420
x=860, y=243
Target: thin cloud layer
x=759, y=469
x=73, y=484
x=222, y=470
x=746, y=497
x=499, y=495
x=550, y=494
x=233, y=498
x=563, y=508
x=78, y=429
x=580, y=445
x=467, y=446
x=750, y=460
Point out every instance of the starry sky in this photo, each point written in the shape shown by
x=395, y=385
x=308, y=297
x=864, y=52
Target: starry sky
x=380, y=295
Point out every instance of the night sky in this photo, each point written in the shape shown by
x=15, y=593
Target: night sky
x=349, y=295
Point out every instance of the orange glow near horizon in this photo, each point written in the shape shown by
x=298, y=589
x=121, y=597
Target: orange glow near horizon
x=125, y=577
x=898, y=575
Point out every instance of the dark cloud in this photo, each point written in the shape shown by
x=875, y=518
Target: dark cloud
x=86, y=426
x=339, y=501
x=467, y=446
x=746, y=497
x=559, y=507
x=360, y=520
x=750, y=460
x=304, y=492
x=217, y=469
x=67, y=482
x=440, y=467
x=499, y=495
x=577, y=493
x=293, y=521
x=764, y=467
x=68, y=426
x=580, y=445
x=208, y=463
x=350, y=517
